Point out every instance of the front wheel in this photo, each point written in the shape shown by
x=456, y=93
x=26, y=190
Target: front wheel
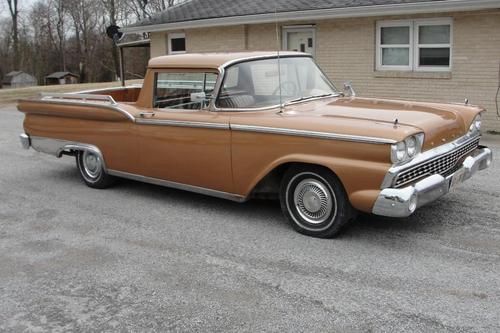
x=91, y=168
x=314, y=201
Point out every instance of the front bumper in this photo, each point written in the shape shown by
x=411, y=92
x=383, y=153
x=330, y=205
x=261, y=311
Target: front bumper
x=25, y=141
x=402, y=202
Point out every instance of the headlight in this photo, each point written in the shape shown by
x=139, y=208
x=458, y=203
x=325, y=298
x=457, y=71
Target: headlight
x=411, y=146
x=475, y=127
x=407, y=149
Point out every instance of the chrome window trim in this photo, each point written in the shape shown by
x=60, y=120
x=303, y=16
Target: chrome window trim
x=425, y=157
x=311, y=134
x=179, y=186
x=264, y=57
x=181, y=123
x=222, y=73
x=276, y=106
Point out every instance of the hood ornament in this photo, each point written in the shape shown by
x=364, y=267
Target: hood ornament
x=466, y=102
x=396, y=122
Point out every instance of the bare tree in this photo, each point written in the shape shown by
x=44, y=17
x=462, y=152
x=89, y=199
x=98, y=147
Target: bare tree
x=60, y=10
x=85, y=18
x=144, y=9
x=14, y=14
x=110, y=6
x=53, y=35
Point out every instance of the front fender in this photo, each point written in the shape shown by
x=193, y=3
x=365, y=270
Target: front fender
x=361, y=179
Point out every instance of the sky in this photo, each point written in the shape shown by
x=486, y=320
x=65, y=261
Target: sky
x=22, y=4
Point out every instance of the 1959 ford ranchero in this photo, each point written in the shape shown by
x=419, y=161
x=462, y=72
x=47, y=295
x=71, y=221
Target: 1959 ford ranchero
x=237, y=125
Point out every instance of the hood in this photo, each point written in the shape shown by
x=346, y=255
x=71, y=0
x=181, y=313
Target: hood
x=441, y=123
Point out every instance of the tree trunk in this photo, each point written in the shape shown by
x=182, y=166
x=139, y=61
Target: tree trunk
x=60, y=33
x=114, y=48
x=15, y=32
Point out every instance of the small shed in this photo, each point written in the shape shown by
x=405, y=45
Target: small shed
x=18, y=79
x=61, y=78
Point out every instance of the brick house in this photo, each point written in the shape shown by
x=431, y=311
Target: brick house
x=437, y=50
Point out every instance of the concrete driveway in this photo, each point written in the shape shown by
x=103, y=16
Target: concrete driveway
x=139, y=257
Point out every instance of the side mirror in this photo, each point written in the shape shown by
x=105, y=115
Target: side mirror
x=198, y=97
x=349, y=90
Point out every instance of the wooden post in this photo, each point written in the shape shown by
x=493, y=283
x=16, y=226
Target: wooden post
x=122, y=67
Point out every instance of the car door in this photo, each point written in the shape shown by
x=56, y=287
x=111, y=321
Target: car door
x=182, y=141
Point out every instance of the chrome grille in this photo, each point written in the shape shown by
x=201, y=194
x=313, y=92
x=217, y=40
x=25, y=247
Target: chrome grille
x=443, y=165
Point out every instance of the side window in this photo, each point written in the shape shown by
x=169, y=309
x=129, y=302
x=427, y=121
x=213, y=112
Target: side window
x=210, y=80
x=237, y=90
x=189, y=91
x=256, y=84
x=232, y=77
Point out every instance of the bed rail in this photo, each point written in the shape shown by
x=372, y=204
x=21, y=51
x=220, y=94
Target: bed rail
x=85, y=98
x=101, y=101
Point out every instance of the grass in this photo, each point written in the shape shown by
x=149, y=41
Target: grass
x=8, y=96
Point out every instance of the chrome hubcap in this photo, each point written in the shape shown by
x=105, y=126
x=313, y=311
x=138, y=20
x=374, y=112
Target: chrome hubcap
x=313, y=201
x=91, y=164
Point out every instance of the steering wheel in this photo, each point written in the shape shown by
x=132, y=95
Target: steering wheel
x=287, y=88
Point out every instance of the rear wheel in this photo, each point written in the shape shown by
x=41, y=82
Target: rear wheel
x=314, y=201
x=91, y=168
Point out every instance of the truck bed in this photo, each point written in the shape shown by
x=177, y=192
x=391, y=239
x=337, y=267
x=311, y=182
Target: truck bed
x=121, y=94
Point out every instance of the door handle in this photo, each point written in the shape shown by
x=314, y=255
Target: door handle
x=146, y=114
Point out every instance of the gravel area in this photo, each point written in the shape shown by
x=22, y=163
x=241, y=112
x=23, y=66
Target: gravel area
x=139, y=257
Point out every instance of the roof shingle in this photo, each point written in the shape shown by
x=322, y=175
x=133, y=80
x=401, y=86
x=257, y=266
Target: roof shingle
x=59, y=75
x=209, y=9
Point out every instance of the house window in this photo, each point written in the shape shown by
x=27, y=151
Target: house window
x=176, y=43
x=414, y=45
x=299, y=38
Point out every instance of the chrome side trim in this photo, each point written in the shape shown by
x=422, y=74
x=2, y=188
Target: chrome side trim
x=179, y=186
x=49, y=146
x=76, y=102
x=56, y=147
x=311, y=134
x=424, y=157
x=180, y=123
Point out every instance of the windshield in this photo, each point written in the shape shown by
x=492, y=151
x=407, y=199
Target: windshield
x=256, y=83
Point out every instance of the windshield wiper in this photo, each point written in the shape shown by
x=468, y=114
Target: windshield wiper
x=305, y=98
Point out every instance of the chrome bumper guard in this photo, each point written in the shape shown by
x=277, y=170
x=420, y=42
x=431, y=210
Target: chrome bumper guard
x=25, y=141
x=402, y=202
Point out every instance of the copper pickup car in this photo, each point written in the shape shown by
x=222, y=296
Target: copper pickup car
x=239, y=125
